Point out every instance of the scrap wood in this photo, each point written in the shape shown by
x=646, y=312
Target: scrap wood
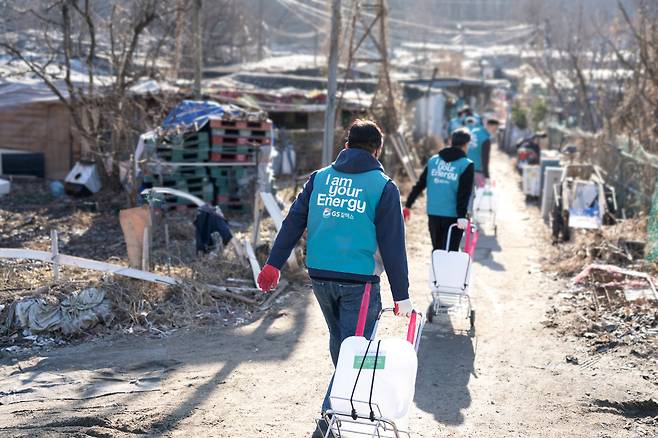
x=134, y=222
x=274, y=295
x=253, y=261
x=227, y=293
x=277, y=217
x=79, y=262
x=614, y=271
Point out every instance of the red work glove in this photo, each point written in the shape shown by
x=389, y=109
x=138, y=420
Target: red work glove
x=268, y=278
x=406, y=213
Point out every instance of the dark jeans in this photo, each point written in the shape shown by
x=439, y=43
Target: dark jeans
x=340, y=304
x=439, y=226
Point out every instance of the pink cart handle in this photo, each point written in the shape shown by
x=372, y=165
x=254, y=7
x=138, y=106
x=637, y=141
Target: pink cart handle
x=363, y=311
x=467, y=240
x=471, y=240
x=411, y=331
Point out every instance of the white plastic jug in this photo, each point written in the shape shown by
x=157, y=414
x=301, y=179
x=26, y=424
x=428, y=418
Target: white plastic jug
x=394, y=383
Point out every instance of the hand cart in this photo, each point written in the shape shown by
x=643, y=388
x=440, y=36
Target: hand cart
x=450, y=278
x=485, y=206
x=374, y=383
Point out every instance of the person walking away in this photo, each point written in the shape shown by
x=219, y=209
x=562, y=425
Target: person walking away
x=448, y=178
x=456, y=122
x=479, y=150
x=351, y=210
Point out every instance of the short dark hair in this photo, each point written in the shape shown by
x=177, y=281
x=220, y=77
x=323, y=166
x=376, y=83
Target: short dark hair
x=460, y=137
x=364, y=134
x=493, y=122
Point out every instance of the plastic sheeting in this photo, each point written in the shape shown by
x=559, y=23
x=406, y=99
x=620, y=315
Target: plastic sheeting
x=79, y=311
x=196, y=112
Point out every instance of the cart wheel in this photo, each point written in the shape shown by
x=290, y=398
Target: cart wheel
x=472, y=319
x=430, y=313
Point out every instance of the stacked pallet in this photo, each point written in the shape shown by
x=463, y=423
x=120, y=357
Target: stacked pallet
x=191, y=147
x=218, y=163
x=236, y=143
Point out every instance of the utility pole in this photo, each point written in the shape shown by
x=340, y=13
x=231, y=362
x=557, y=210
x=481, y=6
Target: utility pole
x=330, y=112
x=368, y=36
x=198, y=47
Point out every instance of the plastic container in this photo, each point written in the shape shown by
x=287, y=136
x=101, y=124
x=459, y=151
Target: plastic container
x=395, y=378
x=390, y=392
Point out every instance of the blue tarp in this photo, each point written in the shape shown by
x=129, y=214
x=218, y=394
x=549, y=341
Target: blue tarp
x=196, y=112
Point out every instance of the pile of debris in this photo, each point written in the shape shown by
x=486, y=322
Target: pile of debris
x=44, y=303
x=611, y=300
x=621, y=244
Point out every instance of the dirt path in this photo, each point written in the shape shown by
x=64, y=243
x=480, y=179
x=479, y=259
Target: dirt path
x=268, y=378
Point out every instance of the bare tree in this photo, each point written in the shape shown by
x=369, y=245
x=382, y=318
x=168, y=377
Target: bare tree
x=89, y=55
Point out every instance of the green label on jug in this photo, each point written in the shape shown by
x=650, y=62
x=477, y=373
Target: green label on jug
x=369, y=363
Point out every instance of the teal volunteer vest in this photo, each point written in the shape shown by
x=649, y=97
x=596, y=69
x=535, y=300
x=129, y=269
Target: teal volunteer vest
x=341, y=221
x=443, y=184
x=454, y=124
x=480, y=135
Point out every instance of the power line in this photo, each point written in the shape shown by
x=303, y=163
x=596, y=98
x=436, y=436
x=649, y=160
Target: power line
x=296, y=13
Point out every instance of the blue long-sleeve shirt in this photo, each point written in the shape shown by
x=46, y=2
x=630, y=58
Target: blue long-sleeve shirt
x=389, y=226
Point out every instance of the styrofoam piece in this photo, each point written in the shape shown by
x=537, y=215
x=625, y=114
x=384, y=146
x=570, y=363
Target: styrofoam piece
x=85, y=175
x=5, y=187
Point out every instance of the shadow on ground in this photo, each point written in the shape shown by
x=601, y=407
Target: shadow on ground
x=445, y=365
x=487, y=245
x=114, y=361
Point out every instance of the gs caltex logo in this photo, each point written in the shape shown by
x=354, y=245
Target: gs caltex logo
x=326, y=212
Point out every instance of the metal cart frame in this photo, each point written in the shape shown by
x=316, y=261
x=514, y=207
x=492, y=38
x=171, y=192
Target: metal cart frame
x=449, y=300
x=376, y=425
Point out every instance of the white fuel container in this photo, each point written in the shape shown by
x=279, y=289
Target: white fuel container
x=394, y=363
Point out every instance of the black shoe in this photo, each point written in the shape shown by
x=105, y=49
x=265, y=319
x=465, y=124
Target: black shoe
x=321, y=429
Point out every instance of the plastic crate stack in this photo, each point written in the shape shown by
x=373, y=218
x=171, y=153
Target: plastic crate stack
x=191, y=147
x=236, y=142
x=225, y=157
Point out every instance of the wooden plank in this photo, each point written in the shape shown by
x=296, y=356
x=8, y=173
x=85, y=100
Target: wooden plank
x=79, y=262
x=134, y=222
x=276, y=214
x=253, y=261
x=224, y=292
x=274, y=295
x=257, y=216
x=272, y=209
x=54, y=250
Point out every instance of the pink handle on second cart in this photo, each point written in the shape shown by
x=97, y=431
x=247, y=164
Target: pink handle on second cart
x=363, y=311
x=411, y=331
x=467, y=239
x=471, y=239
